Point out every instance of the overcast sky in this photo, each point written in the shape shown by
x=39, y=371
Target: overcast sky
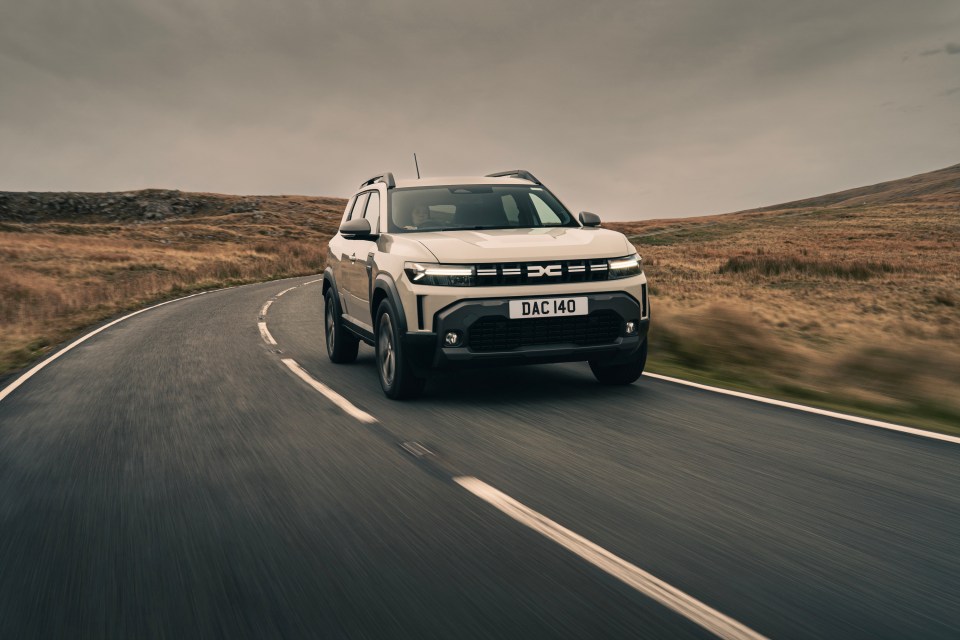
x=632, y=109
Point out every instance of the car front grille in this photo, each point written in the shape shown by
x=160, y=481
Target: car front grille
x=498, y=333
x=553, y=272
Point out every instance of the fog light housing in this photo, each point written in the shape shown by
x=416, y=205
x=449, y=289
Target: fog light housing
x=452, y=339
x=630, y=328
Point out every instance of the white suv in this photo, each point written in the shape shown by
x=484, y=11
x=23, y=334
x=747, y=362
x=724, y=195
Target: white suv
x=455, y=272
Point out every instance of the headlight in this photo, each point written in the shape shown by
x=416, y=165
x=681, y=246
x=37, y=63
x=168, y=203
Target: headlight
x=441, y=275
x=625, y=267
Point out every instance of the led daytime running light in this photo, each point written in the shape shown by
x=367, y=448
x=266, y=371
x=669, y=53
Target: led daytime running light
x=625, y=267
x=448, y=271
x=440, y=274
x=625, y=263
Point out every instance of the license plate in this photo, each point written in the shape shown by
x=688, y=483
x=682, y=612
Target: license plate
x=548, y=307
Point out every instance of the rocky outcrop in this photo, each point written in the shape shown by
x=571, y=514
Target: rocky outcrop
x=148, y=205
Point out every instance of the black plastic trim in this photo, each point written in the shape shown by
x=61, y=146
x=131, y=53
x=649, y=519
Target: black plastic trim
x=461, y=314
x=329, y=280
x=386, y=178
x=523, y=174
x=357, y=330
x=385, y=282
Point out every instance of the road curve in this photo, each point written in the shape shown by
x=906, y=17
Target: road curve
x=176, y=476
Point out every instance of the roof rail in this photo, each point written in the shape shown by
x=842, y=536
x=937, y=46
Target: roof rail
x=386, y=178
x=523, y=174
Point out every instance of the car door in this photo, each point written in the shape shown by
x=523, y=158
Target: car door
x=358, y=263
x=345, y=249
x=338, y=252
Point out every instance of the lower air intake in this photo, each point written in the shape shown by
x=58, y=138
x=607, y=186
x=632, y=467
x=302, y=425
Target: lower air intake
x=497, y=333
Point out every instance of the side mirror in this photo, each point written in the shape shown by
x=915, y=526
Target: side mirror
x=588, y=219
x=356, y=229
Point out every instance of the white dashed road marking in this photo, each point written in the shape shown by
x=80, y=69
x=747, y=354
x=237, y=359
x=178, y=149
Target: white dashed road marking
x=649, y=585
x=689, y=607
x=286, y=290
x=415, y=449
x=667, y=595
x=330, y=394
x=738, y=394
x=632, y=575
x=265, y=334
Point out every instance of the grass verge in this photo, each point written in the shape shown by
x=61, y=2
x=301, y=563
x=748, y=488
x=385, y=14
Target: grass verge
x=62, y=272
x=928, y=416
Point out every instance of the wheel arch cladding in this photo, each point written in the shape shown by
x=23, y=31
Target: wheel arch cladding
x=328, y=281
x=384, y=288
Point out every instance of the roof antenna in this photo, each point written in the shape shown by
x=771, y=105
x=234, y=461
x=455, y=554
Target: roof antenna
x=416, y=165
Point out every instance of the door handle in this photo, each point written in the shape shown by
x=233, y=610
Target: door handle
x=353, y=257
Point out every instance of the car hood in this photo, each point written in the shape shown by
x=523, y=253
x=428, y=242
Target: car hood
x=524, y=245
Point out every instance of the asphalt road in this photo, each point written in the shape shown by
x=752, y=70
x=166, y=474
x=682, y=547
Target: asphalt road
x=172, y=478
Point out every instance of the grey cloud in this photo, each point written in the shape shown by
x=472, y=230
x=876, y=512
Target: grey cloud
x=950, y=48
x=621, y=105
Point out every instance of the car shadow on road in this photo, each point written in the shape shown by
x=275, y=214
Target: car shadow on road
x=490, y=387
x=522, y=384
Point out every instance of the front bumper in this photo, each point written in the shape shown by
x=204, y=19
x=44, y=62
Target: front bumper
x=491, y=338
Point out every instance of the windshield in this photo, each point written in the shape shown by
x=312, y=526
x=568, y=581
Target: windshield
x=475, y=207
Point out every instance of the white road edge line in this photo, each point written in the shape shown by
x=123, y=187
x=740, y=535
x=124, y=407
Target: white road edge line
x=265, y=334
x=823, y=412
x=40, y=365
x=13, y=386
x=689, y=607
x=330, y=394
x=923, y=433
x=263, y=309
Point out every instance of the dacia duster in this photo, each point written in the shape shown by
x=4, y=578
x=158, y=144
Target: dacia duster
x=447, y=273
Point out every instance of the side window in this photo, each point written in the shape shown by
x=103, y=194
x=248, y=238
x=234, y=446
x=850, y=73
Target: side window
x=511, y=209
x=357, y=211
x=547, y=215
x=373, y=210
x=348, y=210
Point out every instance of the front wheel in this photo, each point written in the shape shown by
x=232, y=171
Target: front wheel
x=396, y=375
x=615, y=374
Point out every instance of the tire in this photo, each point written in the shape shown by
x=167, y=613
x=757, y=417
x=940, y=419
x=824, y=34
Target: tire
x=341, y=344
x=396, y=376
x=619, y=374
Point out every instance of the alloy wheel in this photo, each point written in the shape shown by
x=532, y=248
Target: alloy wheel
x=331, y=328
x=385, y=350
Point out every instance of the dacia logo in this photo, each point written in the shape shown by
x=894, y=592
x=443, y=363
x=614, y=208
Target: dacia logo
x=535, y=270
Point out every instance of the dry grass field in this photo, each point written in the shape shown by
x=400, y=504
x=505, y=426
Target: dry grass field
x=850, y=300
x=71, y=260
